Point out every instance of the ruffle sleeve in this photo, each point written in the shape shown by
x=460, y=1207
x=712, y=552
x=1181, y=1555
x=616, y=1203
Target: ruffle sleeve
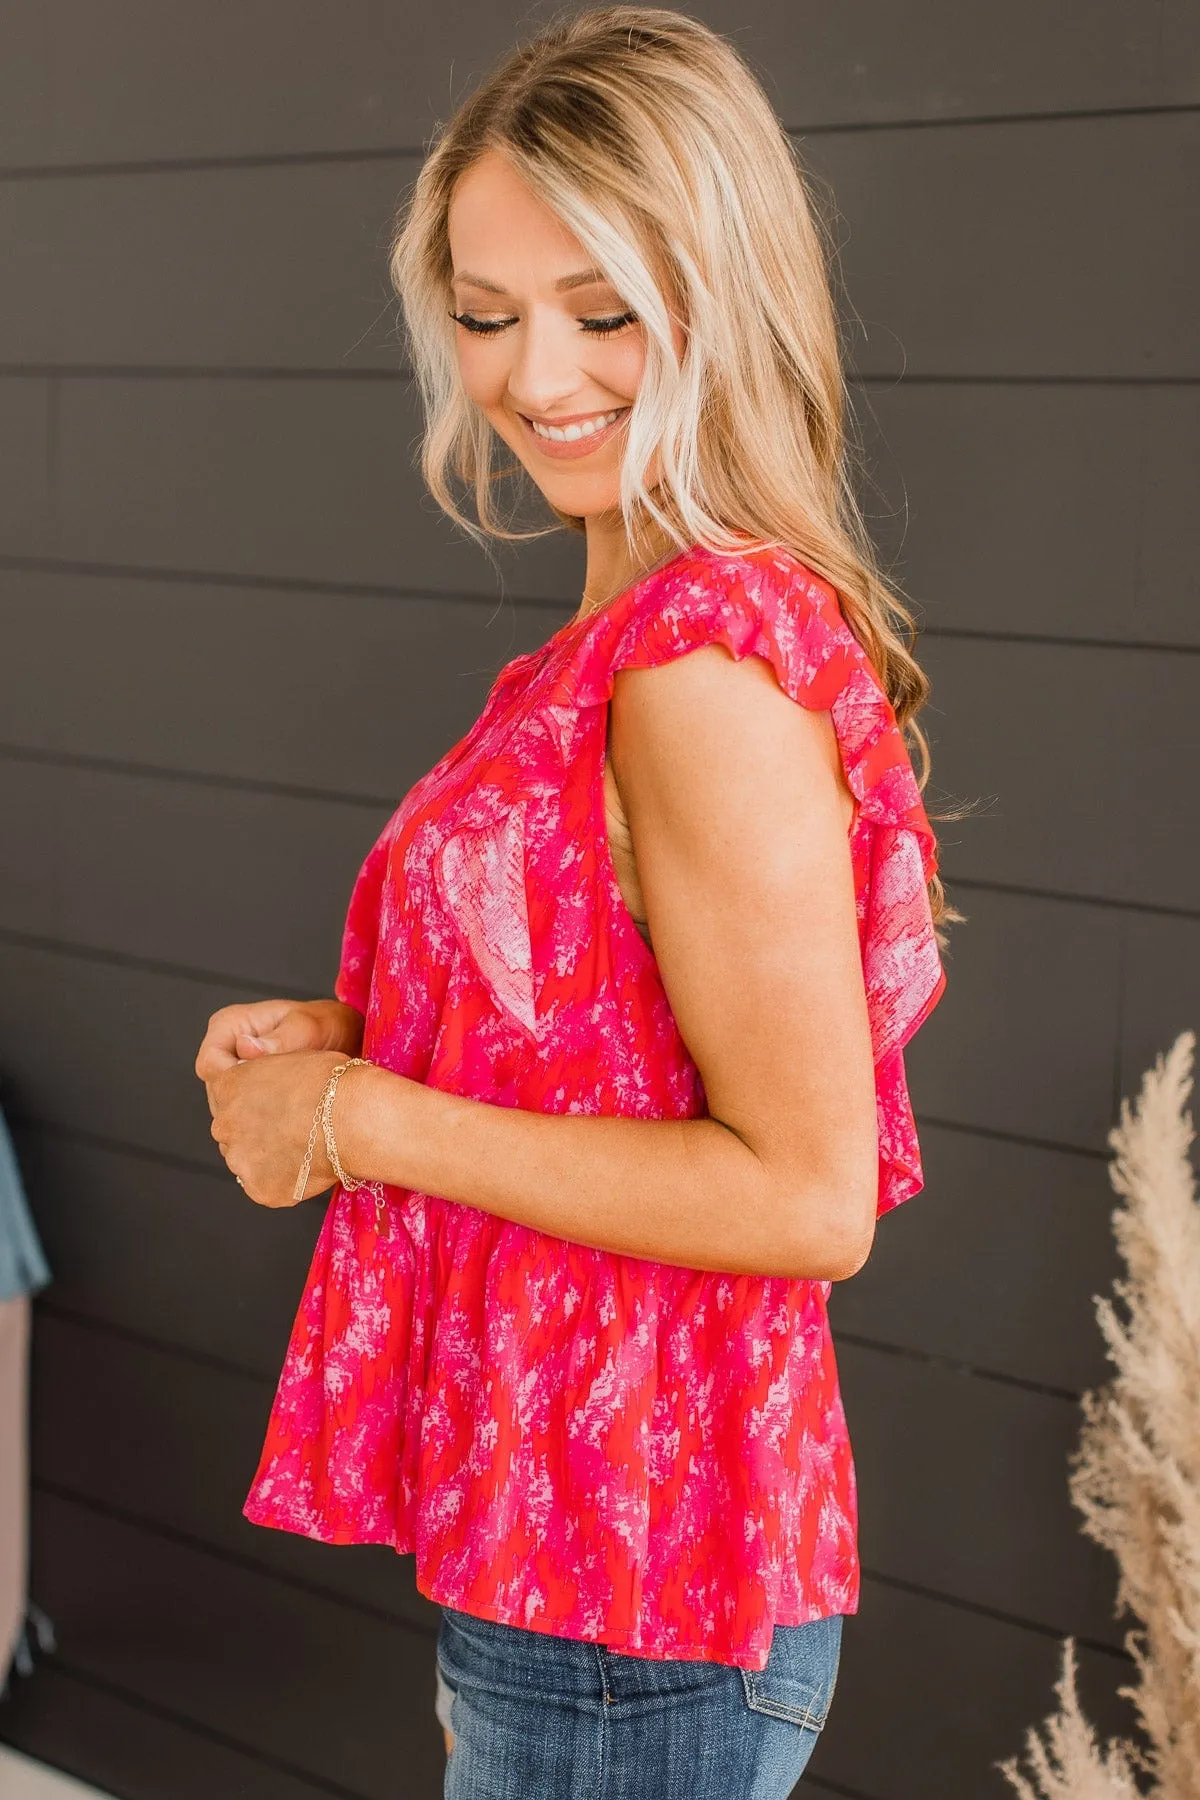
x=767, y=603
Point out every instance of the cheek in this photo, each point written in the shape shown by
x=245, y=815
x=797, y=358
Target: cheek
x=620, y=364
x=482, y=370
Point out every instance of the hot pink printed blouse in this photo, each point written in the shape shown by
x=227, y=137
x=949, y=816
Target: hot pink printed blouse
x=592, y=1445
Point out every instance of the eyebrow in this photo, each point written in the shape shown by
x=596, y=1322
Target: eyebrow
x=582, y=278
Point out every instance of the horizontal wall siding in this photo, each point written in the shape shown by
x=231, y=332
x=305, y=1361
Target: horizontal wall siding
x=238, y=1652
x=279, y=480
x=1086, y=800
x=164, y=870
x=177, y=1460
x=163, y=1233
x=198, y=1634
x=939, y=233
x=176, y=80
x=376, y=687
x=1040, y=511
x=945, y=1464
x=180, y=1457
x=113, y=1739
x=168, y=866
x=293, y=256
x=1161, y=989
x=995, y=1271
x=236, y=631
x=1052, y=1083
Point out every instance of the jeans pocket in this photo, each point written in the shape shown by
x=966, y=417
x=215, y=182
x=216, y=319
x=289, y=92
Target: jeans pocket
x=801, y=1673
x=444, y=1698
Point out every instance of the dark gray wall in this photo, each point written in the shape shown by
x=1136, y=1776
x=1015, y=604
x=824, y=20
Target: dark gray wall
x=234, y=632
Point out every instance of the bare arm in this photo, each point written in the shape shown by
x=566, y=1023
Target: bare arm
x=739, y=813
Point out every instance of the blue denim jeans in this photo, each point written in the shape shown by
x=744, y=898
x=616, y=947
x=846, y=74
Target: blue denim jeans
x=536, y=1717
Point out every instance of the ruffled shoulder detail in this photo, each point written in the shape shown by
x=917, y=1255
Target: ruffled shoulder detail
x=765, y=603
x=768, y=603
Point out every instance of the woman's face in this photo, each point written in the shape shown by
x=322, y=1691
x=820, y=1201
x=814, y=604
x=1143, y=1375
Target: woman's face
x=549, y=341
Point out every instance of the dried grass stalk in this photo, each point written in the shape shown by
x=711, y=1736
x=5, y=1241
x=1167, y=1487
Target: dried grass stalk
x=1069, y=1765
x=1135, y=1476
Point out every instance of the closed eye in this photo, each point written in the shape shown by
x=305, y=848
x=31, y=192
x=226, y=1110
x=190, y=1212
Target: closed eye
x=603, y=327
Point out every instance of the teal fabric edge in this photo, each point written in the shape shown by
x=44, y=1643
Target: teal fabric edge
x=23, y=1266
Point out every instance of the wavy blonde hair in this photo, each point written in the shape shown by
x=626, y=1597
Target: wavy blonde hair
x=650, y=137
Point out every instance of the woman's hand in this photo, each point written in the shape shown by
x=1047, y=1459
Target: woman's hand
x=262, y=1115
x=275, y=1027
x=263, y=1112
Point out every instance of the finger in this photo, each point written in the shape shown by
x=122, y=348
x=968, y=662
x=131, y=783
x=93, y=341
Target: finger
x=297, y=1030
x=218, y=1049
x=216, y=1052
x=212, y=1060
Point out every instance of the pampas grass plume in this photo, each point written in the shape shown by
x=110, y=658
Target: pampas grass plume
x=1135, y=1476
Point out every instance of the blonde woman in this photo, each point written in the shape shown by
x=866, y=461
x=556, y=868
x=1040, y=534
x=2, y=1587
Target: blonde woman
x=612, y=1085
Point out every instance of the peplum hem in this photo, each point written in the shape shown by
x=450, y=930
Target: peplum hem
x=456, y=1385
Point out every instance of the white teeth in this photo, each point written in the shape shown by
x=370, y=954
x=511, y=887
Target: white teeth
x=567, y=434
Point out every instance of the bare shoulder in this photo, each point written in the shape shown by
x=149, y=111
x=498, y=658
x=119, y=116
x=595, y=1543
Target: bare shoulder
x=705, y=723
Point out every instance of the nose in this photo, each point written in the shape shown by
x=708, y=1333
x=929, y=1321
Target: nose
x=545, y=373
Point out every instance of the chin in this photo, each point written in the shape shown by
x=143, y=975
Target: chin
x=574, y=490
x=581, y=499
x=585, y=502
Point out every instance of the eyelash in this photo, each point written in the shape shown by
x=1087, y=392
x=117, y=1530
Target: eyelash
x=594, y=327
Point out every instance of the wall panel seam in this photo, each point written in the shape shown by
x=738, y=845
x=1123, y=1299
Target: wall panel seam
x=66, y=171
x=31, y=1125
x=993, y=1612
x=297, y=584
x=251, y=582
x=45, y=1307
x=57, y=1130
x=951, y=1365
x=185, y=1722
x=251, y=1565
x=202, y=778
x=123, y=959
x=1067, y=897
x=200, y=1546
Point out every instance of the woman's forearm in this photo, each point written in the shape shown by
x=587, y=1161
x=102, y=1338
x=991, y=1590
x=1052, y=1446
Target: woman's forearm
x=685, y=1191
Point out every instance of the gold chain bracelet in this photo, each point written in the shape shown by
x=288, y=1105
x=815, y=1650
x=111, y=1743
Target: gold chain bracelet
x=347, y=1181
x=322, y=1117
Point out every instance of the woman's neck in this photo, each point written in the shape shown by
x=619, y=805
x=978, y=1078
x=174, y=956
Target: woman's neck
x=613, y=565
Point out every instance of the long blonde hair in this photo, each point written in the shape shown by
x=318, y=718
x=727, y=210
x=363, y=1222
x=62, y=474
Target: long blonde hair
x=650, y=137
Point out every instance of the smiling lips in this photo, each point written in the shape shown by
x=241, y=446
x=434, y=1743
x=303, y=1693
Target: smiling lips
x=579, y=437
